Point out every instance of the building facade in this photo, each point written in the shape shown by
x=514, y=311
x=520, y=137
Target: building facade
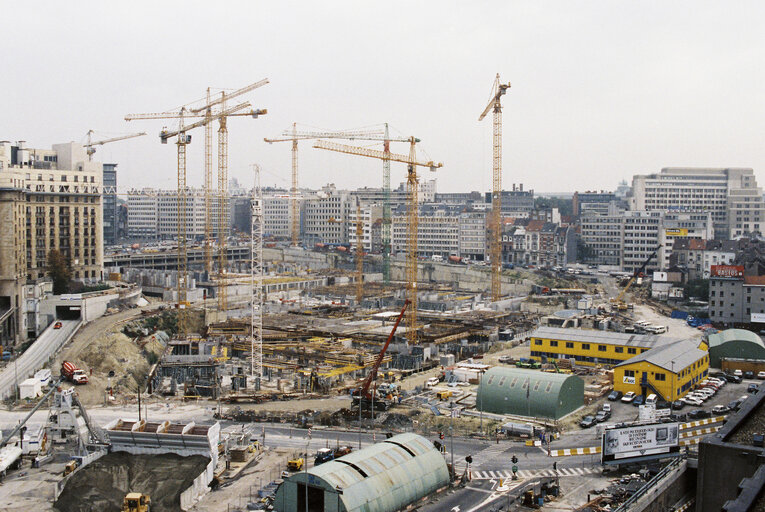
x=110, y=204
x=49, y=199
x=153, y=214
x=736, y=298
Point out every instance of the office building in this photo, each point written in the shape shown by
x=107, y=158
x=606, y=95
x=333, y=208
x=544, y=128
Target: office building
x=592, y=202
x=110, y=204
x=731, y=196
x=153, y=214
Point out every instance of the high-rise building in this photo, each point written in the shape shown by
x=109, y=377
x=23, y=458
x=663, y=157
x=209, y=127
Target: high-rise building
x=592, y=201
x=325, y=217
x=49, y=199
x=153, y=214
x=110, y=204
x=731, y=195
x=516, y=203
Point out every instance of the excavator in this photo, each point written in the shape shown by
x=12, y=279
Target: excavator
x=362, y=397
x=618, y=303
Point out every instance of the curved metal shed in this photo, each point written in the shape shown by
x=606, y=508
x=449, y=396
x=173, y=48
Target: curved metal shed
x=734, y=343
x=384, y=477
x=529, y=393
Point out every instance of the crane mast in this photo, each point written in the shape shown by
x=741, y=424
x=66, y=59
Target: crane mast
x=495, y=223
x=412, y=213
x=222, y=206
x=208, y=186
x=386, y=221
x=256, y=281
x=359, y=255
x=294, y=215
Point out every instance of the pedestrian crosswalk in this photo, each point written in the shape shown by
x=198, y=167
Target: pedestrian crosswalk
x=530, y=473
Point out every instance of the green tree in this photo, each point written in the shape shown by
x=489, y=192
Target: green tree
x=698, y=288
x=60, y=272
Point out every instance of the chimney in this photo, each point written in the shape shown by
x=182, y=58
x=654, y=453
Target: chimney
x=520, y=187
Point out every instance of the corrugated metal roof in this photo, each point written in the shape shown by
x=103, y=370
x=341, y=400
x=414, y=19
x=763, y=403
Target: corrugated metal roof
x=529, y=392
x=384, y=477
x=602, y=337
x=734, y=335
x=683, y=353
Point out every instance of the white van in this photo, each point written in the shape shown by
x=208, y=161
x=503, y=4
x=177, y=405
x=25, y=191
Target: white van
x=432, y=382
x=655, y=329
x=651, y=400
x=437, y=257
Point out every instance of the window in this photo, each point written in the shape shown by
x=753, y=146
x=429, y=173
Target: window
x=602, y=348
x=553, y=343
x=585, y=346
x=660, y=376
x=537, y=342
x=569, y=344
x=619, y=350
x=629, y=373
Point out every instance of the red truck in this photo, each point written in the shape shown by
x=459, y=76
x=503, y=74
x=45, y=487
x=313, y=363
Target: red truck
x=73, y=374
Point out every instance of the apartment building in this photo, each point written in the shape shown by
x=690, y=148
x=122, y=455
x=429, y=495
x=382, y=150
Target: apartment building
x=539, y=243
x=516, y=203
x=592, y=202
x=602, y=234
x=153, y=214
x=677, y=226
x=473, y=235
x=438, y=231
x=49, y=199
x=731, y=196
x=370, y=214
x=426, y=193
x=734, y=297
x=697, y=256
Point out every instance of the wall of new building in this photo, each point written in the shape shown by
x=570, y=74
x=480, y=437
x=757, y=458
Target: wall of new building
x=563, y=345
x=629, y=376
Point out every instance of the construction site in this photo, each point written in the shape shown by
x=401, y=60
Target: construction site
x=233, y=333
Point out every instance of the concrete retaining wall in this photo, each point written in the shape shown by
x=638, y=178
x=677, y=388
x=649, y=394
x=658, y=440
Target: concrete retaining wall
x=198, y=488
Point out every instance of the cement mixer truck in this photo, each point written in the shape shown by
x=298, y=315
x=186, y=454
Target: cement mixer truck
x=70, y=372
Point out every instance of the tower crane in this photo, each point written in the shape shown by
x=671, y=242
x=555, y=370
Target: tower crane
x=91, y=150
x=412, y=214
x=495, y=243
x=294, y=135
x=183, y=140
x=222, y=219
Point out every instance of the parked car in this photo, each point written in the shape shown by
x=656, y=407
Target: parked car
x=57, y=325
x=605, y=407
x=690, y=400
x=748, y=375
x=678, y=404
x=662, y=404
x=734, y=379
x=761, y=375
x=602, y=416
x=738, y=373
x=678, y=417
x=720, y=409
x=628, y=397
x=639, y=400
x=752, y=388
x=698, y=414
x=587, y=422
x=614, y=395
x=735, y=405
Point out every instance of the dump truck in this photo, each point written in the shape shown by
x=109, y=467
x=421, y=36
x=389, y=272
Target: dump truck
x=136, y=502
x=70, y=372
x=295, y=464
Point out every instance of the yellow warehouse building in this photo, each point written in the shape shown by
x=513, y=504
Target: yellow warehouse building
x=670, y=370
x=589, y=347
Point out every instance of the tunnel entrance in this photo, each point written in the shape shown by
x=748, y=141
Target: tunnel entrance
x=68, y=312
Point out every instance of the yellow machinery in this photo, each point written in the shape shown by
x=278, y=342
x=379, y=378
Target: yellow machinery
x=412, y=214
x=444, y=395
x=495, y=244
x=295, y=464
x=70, y=466
x=136, y=502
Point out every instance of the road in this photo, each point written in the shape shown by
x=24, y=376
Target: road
x=35, y=357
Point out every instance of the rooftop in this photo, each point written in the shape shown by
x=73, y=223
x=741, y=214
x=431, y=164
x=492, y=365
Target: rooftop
x=672, y=356
x=603, y=337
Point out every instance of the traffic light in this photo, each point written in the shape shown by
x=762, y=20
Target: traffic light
x=440, y=435
x=469, y=459
x=514, y=459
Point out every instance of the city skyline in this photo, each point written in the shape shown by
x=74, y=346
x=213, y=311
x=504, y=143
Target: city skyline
x=599, y=93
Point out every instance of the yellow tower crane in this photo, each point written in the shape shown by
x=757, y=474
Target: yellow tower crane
x=359, y=254
x=412, y=215
x=495, y=224
x=183, y=140
x=294, y=135
x=222, y=218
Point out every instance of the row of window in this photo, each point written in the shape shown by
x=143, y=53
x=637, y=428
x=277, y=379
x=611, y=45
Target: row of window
x=586, y=346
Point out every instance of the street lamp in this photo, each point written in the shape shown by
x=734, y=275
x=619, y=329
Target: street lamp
x=672, y=391
x=480, y=405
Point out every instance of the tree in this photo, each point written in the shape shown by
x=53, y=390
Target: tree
x=60, y=272
x=698, y=288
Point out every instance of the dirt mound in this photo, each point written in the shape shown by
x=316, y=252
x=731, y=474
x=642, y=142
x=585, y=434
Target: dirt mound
x=103, y=484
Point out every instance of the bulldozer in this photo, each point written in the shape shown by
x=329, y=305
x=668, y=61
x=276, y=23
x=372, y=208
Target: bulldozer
x=136, y=502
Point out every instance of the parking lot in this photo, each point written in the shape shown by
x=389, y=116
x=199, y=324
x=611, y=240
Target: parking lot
x=623, y=413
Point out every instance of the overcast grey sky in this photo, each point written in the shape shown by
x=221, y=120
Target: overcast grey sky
x=601, y=90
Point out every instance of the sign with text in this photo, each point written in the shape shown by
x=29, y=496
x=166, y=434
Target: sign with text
x=628, y=380
x=758, y=318
x=640, y=441
x=677, y=232
x=727, y=271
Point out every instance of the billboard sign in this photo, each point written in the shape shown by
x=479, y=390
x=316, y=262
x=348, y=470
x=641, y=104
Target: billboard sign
x=727, y=271
x=758, y=318
x=628, y=380
x=659, y=277
x=676, y=232
x=622, y=444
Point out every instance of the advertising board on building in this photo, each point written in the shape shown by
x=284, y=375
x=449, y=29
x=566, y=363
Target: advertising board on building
x=676, y=232
x=628, y=380
x=758, y=318
x=727, y=271
x=656, y=439
x=659, y=277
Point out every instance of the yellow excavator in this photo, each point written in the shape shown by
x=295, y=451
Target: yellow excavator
x=618, y=303
x=136, y=502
